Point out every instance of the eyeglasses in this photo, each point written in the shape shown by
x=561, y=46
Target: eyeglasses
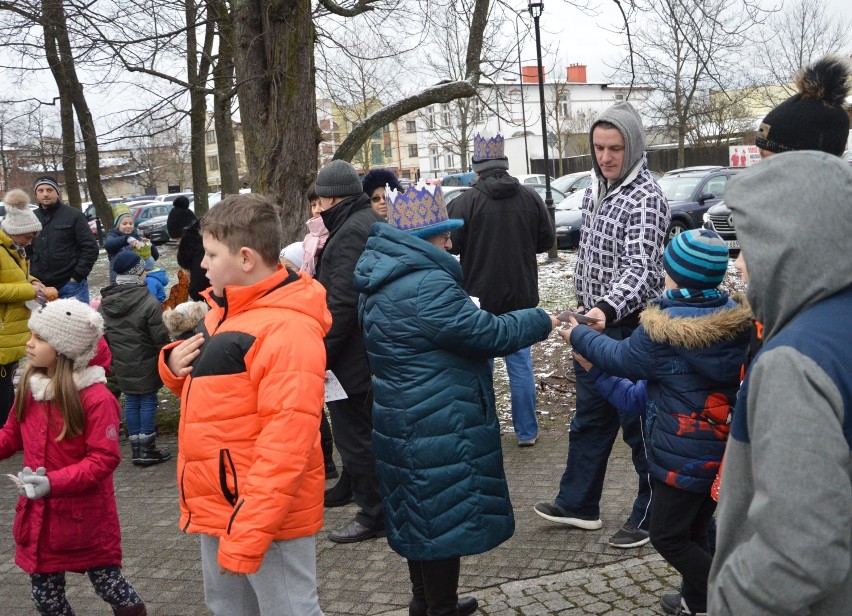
x=445, y=236
x=377, y=199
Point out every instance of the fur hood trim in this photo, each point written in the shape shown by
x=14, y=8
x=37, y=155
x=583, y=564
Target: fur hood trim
x=696, y=332
x=40, y=383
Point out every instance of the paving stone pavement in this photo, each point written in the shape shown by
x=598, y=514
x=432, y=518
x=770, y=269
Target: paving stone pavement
x=544, y=569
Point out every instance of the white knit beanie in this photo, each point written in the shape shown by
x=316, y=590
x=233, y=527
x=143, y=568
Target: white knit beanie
x=71, y=327
x=19, y=218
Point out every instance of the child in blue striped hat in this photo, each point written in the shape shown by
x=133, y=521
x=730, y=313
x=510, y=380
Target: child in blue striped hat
x=688, y=347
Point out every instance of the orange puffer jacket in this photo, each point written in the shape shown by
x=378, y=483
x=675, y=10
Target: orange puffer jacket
x=250, y=467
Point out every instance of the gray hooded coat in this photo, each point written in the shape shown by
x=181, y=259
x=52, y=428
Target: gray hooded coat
x=785, y=504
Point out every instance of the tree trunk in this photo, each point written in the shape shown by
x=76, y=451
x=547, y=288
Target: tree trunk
x=197, y=72
x=223, y=85
x=274, y=61
x=69, y=150
x=61, y=59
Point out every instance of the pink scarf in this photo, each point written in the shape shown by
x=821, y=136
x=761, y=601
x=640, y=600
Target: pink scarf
x=313, y=244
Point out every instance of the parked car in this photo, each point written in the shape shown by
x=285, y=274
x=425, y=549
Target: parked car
x=451, y=192
x=693, y=169
x=172, y=196
x=459, y=179
x=533, y=178
x=155, y=229
x=557, y=195
x=690, y=193
x=573, y=181
x=569, y=220
x=720, y=219
x=142, y=213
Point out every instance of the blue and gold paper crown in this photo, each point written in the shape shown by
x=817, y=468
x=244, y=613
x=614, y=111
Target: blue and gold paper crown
x=420, y=211
x=488, y=149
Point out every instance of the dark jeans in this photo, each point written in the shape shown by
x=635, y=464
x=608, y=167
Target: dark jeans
x=590, y=439
x=7, y=390
x=434, y=585
x=352, y=426
x=679, y=521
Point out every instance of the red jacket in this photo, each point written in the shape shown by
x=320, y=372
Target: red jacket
x=76, y=526
x=250, y=465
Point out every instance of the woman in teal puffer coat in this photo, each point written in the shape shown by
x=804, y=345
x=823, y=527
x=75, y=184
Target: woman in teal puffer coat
x=435, y=431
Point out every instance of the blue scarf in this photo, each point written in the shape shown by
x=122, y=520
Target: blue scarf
x=688, y=294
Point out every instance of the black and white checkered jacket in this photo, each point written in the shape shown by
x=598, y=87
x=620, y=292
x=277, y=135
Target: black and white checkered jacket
x=620, y=260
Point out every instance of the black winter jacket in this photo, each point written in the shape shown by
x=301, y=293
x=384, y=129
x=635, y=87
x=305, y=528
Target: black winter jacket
x=135, y=333
x=190, y=253
x=348, y=225
x=505, y=225
x=65, y=248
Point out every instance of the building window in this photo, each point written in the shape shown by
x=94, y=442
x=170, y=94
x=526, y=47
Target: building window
x=445, y=114
x=406, y=174
x=477, y=111
x=566, y=108
x=213, y=163
x=433, y=154
x=410, y=126
x=210, y=136
x=619, y=97
x=430, y=118
x=388, y=153
x=376, y=153
x=450, y=161
x=412, y=150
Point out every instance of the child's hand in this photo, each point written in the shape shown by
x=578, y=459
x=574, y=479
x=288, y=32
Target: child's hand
x=554, y=322
x=182, y=356
x=565, y=333
x=587, y=365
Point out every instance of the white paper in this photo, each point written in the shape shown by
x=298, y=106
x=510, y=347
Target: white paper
x=333, y=389
x=475, y=301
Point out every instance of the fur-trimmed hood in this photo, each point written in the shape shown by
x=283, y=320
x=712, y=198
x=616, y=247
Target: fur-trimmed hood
x=40, y=383
x=696, y=332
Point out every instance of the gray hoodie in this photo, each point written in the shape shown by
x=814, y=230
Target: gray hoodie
x=629, y=123
x=785, y=507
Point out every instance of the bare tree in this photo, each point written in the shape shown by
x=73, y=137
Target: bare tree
x=801, y=32
x=720, y=117
x=684, y=47
x=451, y=124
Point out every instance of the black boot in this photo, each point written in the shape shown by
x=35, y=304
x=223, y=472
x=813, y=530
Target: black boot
x=341, y=493
x=131, y=610
x=148, y=452
x=137, y=450
x=434, y=586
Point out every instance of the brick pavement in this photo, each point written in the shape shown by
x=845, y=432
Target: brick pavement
x=543, y=569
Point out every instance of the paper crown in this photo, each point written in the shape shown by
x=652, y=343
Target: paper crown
x=420, y=211
x=488, y=149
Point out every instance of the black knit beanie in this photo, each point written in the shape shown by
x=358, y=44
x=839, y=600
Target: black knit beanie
x=814, y=119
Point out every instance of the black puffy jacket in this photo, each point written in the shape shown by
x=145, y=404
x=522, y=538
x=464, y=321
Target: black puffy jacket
x=65, y=248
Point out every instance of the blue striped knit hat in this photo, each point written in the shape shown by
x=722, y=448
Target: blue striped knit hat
x=696, y=259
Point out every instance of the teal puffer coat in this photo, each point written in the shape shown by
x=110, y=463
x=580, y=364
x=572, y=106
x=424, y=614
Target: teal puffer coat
x=435, y=431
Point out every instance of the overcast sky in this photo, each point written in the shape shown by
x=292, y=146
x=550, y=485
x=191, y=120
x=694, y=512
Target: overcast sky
x=583, y=39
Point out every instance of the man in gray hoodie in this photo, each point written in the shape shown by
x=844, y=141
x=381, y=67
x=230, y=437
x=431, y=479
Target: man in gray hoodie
x=784, y=544
x=619, y=270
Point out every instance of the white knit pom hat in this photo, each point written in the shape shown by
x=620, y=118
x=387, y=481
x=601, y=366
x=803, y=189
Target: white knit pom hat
x=19, y=219
x=71, y=327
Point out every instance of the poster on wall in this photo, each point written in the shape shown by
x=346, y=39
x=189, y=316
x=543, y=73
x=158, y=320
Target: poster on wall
x=743, y=155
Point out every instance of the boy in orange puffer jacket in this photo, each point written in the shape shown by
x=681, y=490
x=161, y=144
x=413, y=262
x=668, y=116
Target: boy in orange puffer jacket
x=250, y=465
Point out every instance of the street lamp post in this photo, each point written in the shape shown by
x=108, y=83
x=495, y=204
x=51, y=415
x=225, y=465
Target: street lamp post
x=536, y=9
x=521, y=86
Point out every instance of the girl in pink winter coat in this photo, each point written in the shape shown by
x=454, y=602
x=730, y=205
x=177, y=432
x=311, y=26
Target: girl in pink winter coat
x=67, y=423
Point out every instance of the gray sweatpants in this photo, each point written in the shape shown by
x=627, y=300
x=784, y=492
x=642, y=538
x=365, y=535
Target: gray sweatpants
x=285, y=584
